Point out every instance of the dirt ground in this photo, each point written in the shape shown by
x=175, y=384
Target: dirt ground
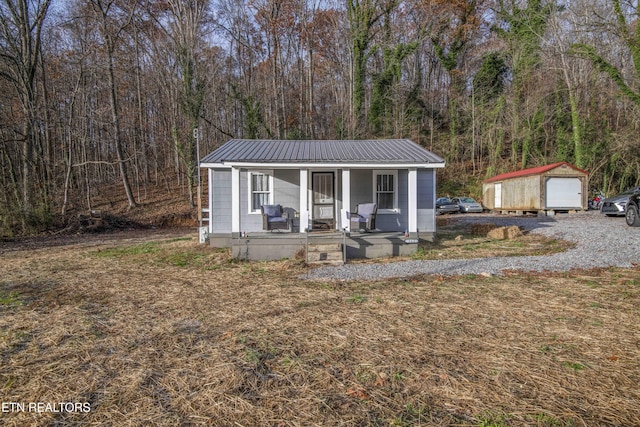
x=154, y=329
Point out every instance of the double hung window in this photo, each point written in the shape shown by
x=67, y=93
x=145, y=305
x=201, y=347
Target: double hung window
x=260, y=190
x=385, y=185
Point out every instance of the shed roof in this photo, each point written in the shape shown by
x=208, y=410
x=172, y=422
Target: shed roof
x=260, y=151
x=533, y=171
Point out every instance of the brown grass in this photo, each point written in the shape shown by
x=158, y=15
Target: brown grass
x=167, y=332
x=460, y=240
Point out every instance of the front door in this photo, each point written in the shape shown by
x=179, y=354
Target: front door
x=497, y=197
x=323, y=201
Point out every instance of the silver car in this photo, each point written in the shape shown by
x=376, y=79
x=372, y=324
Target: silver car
x=616, y=205
x=468, y=204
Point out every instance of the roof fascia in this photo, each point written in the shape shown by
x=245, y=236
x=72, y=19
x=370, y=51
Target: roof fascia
x=215, y=165
x=323, y=165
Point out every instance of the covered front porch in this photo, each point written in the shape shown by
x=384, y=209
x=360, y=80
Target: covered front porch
x=321, y=199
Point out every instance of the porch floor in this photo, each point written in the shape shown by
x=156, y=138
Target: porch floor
x=278, y=245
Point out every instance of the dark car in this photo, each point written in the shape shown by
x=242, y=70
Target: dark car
x=632, y=212
x=446, y=205
x=615, y=206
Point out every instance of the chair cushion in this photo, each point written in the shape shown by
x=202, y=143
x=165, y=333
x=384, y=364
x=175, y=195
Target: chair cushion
x=272, y=211
x=273, y=219
x=366, y=209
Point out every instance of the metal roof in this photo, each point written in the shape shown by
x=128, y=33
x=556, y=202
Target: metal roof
x=386, y=151
x=533, y=171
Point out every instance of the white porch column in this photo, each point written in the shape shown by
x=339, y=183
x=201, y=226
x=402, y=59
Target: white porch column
x=346, y=199
x=210, y=195
x=304, y=200
x=235, y=200
x=433, y=199
x=413, y=200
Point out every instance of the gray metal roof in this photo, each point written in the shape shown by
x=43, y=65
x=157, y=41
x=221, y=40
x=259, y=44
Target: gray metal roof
x=387, y=151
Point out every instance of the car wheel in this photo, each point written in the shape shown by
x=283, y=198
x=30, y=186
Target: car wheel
x=633, y=220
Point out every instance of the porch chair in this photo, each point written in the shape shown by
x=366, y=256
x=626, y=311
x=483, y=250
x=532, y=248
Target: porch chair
x=274, y=218
x=364, y=216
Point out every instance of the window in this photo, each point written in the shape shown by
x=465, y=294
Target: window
x=260, y=190
x=386, y=189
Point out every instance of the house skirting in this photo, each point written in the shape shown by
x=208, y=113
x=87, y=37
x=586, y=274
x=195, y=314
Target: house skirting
x=274, y=245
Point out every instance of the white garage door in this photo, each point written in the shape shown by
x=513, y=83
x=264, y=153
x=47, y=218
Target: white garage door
x=564, y=193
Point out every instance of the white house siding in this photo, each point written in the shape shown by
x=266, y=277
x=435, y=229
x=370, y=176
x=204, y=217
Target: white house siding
x=248, y=222
x=362, y=192
x=395, y=221
x=220, y=210
x=286, y=183
x=285, y=192
x=361, y=187
x=426, y=198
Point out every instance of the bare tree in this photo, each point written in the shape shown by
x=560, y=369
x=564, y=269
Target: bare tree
x=184, y=25
x=111, y=30
x=625, y=27
x=21, y=23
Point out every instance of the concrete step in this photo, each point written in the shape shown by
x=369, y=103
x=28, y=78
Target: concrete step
x=337, y=262
x=325, y=247
x=315, y=257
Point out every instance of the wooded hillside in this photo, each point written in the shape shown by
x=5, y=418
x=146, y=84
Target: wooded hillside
x=97, y=92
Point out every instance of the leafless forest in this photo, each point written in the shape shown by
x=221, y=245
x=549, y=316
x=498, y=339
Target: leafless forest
x=97, y=92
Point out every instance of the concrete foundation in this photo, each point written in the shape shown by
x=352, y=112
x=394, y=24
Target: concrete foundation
x=274, y=245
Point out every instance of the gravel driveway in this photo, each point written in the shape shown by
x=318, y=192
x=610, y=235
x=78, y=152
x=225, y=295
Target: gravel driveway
x=600, y=242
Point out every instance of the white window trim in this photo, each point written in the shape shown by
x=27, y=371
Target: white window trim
x=393, y=172
x=250, y=190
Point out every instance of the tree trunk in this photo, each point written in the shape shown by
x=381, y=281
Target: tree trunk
x=113, y=102
x=122, y=165
x=21, y=33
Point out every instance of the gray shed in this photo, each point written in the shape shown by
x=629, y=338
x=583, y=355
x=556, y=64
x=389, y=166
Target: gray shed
x=555, y=187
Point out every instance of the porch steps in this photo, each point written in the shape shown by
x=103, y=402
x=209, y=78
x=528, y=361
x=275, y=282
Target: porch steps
x=325, y=253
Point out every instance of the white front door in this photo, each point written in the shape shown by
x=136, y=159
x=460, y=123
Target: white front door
x=323, y=211
x=497, y=197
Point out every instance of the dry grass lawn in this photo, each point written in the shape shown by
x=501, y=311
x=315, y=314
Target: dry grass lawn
x=167, y=332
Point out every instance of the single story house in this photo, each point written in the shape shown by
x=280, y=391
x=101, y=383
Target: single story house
x=555, y=187
x=319, y=183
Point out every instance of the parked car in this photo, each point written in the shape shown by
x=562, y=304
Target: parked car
x=468, y=204
x=632, y=211
x=446, y=205
x=615, y=206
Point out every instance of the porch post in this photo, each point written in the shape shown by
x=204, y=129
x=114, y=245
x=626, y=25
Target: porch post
x=346, y=200
x=210, y=195
x=413, y=200
x=433, y=199
x=304, y=200
x=235, y=200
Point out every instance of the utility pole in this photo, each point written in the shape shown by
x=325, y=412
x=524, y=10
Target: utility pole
x=196, y=136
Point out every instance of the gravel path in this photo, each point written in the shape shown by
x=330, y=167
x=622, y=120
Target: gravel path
x=600, y=242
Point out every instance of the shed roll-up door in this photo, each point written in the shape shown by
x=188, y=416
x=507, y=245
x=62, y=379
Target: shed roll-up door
x=563, y=193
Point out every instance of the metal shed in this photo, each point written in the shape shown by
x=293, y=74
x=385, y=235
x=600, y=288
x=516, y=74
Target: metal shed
x=555, y=187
